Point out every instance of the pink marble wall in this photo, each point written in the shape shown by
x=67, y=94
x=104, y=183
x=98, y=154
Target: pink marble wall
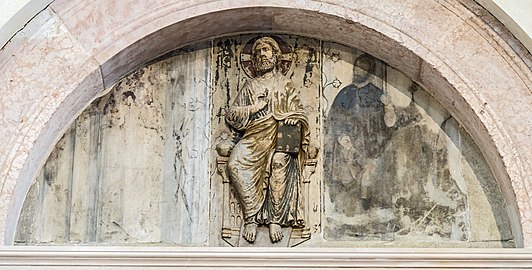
x=63, y=57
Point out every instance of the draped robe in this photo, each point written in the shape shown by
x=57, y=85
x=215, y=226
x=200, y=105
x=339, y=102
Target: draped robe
x=267, y=198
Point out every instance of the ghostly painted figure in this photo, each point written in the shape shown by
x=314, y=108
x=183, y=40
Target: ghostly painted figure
x=266, y=180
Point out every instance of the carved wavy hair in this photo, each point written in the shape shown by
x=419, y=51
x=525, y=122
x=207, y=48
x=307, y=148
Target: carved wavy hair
x=275, y=48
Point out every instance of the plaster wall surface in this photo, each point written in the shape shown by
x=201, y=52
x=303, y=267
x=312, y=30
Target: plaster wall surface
x=14, y=15
x=71, y=51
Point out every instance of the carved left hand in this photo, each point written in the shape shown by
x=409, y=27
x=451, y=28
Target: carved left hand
x=290, y=121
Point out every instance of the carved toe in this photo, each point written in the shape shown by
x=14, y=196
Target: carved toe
x=276, y=233
x=250, y=231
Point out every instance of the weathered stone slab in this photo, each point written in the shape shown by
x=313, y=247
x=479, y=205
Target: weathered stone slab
x=127, y=171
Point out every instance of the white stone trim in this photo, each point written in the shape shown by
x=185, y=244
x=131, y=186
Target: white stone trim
x=260, y=258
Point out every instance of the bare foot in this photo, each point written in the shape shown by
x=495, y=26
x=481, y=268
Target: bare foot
x=250, y=231
x=276, y=234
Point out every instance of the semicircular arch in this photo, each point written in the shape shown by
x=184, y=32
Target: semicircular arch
x=75, y=51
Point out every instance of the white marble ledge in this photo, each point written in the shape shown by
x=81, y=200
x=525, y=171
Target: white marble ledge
x=93, y=257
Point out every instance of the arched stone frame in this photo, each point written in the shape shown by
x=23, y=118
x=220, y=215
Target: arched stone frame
x=72, y=51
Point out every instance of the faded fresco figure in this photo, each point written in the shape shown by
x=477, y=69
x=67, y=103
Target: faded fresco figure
x=265, y=177
x=358, y=133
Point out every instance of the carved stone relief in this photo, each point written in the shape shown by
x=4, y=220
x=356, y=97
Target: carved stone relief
x=264, y=162
x=266, y=140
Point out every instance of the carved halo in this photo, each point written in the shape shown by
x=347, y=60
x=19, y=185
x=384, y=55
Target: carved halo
x=246, y=55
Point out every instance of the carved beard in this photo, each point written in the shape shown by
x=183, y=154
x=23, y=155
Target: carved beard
x=262, y=65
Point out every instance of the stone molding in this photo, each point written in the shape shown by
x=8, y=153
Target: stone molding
x=71, y=50
x=104, y=257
